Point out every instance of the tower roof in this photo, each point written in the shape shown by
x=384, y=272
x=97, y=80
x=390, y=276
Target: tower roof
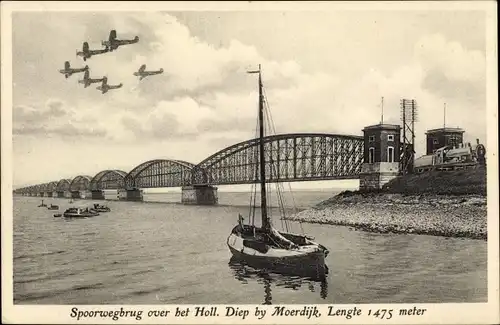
x=379, y=126
x=445, y=130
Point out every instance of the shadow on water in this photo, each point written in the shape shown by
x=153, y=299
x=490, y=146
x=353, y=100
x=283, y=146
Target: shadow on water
x=245, y=273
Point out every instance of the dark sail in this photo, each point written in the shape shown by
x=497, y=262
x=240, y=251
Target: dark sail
x=266, y=223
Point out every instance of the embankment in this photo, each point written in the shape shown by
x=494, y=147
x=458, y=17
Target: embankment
x=451, y=204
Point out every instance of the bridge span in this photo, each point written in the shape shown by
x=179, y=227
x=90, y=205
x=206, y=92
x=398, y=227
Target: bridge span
x=293, y=157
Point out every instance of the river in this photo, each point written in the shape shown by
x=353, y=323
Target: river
x=164, y=253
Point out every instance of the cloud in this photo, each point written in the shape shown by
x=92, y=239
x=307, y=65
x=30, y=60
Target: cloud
x=452, y=71
x=66, y=131
x=455, y=61
x=54, y=118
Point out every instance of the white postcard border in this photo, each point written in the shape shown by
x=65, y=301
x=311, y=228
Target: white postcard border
x=446, y=313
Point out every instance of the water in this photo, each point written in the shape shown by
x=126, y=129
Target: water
x=160, y=253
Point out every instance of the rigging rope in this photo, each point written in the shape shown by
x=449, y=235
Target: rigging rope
x=289, y=185
x=253, y=189
x=279, y=186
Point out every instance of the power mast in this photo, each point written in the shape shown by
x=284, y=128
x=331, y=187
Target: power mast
x=408, y=117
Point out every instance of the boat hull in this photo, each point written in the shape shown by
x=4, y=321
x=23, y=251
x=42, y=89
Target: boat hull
x=82, y=215
x=307, y=261
x=102, y=210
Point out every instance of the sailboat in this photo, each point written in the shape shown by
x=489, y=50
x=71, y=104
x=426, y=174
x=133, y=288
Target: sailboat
x=266, y=247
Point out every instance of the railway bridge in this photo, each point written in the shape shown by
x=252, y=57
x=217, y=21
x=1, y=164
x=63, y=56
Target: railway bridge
x=291, y=157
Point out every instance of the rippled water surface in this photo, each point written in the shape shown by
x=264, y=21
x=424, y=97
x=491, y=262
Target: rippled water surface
x=160, y=253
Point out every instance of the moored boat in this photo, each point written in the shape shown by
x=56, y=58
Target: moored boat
x=266, y=247
x=100, y=208
x=79, y=213
x=53, y=207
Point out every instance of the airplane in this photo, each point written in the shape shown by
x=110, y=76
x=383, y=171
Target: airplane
x=87, y=81
x=105, y=87
x=112, y=43
x=86, y=53
x=142, y=73
x=68, y=71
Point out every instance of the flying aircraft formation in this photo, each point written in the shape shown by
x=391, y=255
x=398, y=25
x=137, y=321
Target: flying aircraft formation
x=110, y=45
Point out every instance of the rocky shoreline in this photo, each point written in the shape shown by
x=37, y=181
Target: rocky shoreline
x=427, y=214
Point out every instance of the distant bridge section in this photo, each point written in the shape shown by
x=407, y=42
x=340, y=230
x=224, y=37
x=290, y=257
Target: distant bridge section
x=289, y=158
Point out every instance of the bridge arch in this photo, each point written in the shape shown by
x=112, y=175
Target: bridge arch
x=289, y=157
x=160, y=173
x=51, y=187
x=43, y=187
x=80, y=183
x=108, y=179
x=63, y=185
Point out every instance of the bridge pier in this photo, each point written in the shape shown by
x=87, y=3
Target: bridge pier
x=48, y=194
x=66, y=194
x=381, y=156
x=374, y=176
x=86, y=194
x=97, y=195
x=199, y=195
x=134, y=194
x=41, y=194
x=75, y=195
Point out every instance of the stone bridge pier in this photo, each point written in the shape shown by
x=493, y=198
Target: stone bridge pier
x=199, y=195
x=132, y=194
x=97, y=195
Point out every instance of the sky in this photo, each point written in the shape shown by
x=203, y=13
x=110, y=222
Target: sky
x=322, y=71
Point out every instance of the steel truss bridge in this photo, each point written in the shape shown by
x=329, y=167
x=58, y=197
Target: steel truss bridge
x=289, y=158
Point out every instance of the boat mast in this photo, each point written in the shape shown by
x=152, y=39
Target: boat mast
x=263, y=203
x=266, y=224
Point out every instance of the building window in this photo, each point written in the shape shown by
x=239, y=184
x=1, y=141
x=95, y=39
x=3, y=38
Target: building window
x=371, y=155
x=371, y=138
x=390, y=154
x=390, y=137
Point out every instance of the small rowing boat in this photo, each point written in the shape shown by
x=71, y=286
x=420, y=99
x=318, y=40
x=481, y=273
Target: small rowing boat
x=53, y=207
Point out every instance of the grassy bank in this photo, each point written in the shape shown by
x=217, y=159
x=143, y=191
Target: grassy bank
x=456, y=182
x=451, y=204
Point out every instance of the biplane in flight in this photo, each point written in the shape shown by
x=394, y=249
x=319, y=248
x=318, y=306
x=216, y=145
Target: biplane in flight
x=104, y=87
x=142, y=73
x=87, y=81
x=86, y=53
x=113, y=43
x=68, y=70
